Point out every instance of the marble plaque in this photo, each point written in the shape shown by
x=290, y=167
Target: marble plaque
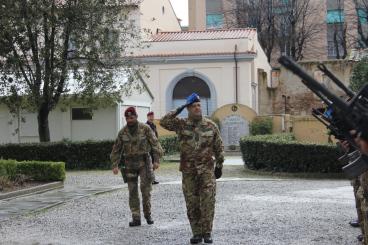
x=233, y=127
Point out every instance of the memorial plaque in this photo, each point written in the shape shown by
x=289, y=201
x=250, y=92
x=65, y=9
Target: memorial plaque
x=233, y=127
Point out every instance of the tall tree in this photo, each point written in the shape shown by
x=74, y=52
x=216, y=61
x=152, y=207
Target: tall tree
x=259, y=14
x=296, y=26
x=50, y=49
x=361, y=7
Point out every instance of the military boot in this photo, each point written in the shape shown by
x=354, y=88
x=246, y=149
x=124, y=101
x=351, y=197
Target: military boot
x=135, y=222
x=196, y=239
x=149, y=220
x=207, y=238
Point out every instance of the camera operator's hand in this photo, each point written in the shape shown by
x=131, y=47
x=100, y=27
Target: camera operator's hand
x=345, y=145
x=363, y=146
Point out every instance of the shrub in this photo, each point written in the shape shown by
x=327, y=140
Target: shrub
x=35, y=170
x=76, y=155
x=261, y=126
x=282, y=153
x=170, y=144
x=359, y=75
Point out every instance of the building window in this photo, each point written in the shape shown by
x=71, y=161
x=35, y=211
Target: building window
x=254, y=96
x=82, y=114
x=335, y=40
x=189, y=85
x=163, y=10
x=215, y=20
x=362, y=16
x=335, y=16
x=214, y=14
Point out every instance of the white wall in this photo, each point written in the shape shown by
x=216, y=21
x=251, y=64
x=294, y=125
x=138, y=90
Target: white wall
x=101, y=127
x=221, y=74
x=105, y=123
x=153, y=18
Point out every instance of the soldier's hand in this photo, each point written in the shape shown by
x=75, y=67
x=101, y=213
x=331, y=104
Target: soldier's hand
x=218, y=173
x=115, y=170
x=155, y=165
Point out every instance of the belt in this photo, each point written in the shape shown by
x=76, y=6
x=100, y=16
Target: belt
x=136, y=157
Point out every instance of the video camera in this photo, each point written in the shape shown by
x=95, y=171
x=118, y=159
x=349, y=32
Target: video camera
x=340, y=117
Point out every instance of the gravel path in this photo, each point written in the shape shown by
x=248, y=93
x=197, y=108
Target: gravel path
x=247, y=212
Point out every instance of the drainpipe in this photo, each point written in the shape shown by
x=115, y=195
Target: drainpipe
x=236, y=73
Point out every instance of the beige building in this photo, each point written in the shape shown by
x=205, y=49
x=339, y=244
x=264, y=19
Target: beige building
x=158, y=15
x=225, y=67
x=335, y=25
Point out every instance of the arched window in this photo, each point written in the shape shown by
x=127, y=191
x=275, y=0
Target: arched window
x=186, y=87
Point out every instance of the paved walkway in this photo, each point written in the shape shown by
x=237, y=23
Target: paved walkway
x=249, y=210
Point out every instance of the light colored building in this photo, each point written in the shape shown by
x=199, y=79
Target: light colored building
x=222, y=66
x=336, y=24
x=82, y=123
x=158, y=15
x=75, y=122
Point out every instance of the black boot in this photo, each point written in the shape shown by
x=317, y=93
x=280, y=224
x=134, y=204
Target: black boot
x=360, y=238
x=354, y=223
x=207, y=238
x=196, y=239
x=149, y=220
x=135, y=222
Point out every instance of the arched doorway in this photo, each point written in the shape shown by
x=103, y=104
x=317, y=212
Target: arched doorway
x=192, y=84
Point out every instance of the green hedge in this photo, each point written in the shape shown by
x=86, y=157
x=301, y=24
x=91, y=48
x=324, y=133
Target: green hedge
x=35, y=170
x=261, y=126
x=282, y=153
x=76, y=155
x=170, y=144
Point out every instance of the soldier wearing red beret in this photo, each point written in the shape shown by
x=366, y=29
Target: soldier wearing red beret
x=133, y=149
x=150, y=122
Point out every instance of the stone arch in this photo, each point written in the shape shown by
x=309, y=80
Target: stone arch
x=191, y=73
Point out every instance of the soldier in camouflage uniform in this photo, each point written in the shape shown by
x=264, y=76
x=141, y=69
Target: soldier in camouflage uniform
x=134, y=144
x=363, y=193
x=200, y=141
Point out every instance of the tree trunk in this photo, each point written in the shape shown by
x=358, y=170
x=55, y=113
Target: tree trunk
x=43, y=124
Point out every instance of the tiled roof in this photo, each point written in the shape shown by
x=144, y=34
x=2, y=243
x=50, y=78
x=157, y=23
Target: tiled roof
x=191, y=54
x=204, y=35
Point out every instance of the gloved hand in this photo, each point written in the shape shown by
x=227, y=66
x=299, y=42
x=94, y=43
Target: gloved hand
x=218, y=172
x=180, y=109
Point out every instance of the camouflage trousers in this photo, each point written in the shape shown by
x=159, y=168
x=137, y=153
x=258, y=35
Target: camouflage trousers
x=144, y=172
x=358, y=198
x=364, y=224
x=199, y=193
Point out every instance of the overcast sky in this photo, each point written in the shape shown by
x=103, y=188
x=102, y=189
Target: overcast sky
x=181, y=10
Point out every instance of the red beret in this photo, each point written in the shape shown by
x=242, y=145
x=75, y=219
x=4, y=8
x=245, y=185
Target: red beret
x=150, y=113
x=130, y=112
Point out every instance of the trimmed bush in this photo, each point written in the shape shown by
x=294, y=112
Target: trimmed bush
x=35, y=170
x=282, y=153
x=170, y=144
x=261, y=126
x=76, y=155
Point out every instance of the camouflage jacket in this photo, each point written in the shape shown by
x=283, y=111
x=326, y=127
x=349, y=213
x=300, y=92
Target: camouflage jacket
x=141, y=143
x=199, y=143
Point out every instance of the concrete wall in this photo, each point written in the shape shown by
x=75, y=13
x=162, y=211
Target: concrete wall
x=197, y=15
x=309, y=129
x=220, y=75
x=301, y=100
